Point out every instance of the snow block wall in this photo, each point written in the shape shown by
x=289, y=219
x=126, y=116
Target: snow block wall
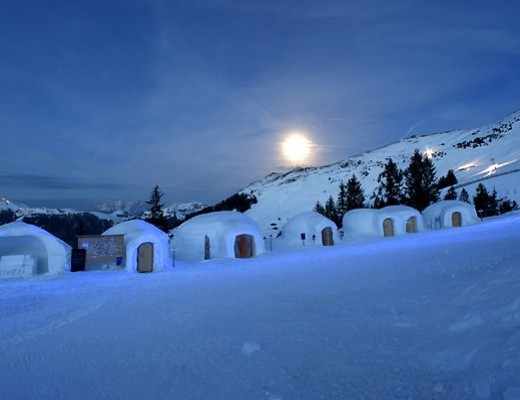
x=449, y=213
x=137, y=233
x=51, y=255
x=222, y=228
x=312, y=225
x=388, y=221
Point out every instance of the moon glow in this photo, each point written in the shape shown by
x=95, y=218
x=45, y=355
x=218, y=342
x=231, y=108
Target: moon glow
x=296, y=148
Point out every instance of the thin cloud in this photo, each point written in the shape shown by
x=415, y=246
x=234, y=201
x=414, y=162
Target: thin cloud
x=54, y=183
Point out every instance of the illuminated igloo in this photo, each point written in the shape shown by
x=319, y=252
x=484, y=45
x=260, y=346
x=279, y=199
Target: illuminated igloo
x=228, y=234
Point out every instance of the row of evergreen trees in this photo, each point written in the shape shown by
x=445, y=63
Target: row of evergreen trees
x=417, y=186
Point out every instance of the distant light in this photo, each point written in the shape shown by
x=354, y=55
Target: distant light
x=466, y=167
x=429, y=153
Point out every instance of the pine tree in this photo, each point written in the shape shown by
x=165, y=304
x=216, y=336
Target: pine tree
x=464, y=196
x=483, y=201
x=390, y=190
x=507, y=205
x=449, y=180
x=355, y=195
x=330, y=210
x=156, y=216
x=319, y=208
x=494, y=202
x=420, y=182
x=342, y=201
x=451, y=194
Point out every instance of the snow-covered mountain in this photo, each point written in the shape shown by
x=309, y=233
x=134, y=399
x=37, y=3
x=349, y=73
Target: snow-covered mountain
x=22, y=210
x=116, y=211
x=138, y=209
x=490, y=155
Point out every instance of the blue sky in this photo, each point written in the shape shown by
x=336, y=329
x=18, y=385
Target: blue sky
x=102, y=100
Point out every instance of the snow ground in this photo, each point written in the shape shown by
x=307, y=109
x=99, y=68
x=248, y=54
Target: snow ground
x=434, y=315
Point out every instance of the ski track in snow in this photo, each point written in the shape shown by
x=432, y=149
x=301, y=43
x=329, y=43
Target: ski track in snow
x=429, y=316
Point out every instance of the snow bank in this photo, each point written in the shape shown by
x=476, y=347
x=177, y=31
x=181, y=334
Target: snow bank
x=388, y=221
x=444, y=214
x=19, y=238
x=222, y=228
x=311, y=224
x=138, y=232
x=433, y=316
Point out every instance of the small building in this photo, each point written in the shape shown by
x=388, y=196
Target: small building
x=222, y=234
x=26, y=250
x=146, y=247
x=314, y=227
x=449, y=213
x=388, y=221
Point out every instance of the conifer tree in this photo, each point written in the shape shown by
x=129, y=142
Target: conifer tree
x=342, y=201
x=507, y=205
x=390, y=190
x=449, y=180
x=355, y=195
x=156, y=215
x=464, y=196
x=331, y=211
x=319, y=208
x=451, y=194
x=483, y=201
x=420, y=182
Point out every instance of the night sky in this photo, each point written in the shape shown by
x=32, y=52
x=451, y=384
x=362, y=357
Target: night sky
x=102, y=100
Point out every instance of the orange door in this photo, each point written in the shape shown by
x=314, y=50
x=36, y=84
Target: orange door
x=244, y=246
x=327, y=239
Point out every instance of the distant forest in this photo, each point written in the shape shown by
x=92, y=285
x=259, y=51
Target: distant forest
x=63, y=226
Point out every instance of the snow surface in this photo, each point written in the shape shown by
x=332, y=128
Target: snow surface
x=434, y=315
x=138, y=232
x=19, y=238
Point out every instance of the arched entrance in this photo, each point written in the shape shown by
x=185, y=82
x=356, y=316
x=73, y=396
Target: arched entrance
x=456, y=219
x=244, y=246
x=145, y=257
x=388, y=227
x=26, y=245
x=411, y=225
x=327, y=238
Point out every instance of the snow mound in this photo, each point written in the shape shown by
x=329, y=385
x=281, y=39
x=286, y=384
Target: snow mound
x=441, y=214
x=388, y=221
x=222, y=229
x=309, y=223
x=138, y=232
x=20, y=238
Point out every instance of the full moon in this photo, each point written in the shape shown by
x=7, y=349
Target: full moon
x=296, y=148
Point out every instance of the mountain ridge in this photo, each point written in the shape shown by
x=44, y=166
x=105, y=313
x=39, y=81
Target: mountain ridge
x=489, y=153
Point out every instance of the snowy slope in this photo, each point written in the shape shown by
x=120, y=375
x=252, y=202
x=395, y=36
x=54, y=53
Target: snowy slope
x=490, y=155
x=434, y=315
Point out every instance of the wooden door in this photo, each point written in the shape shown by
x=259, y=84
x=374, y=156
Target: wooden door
x=244, y=246
x=145, y=257
x=456, y=219
x=411, y=225
x=388, y=227
x=327, y=238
